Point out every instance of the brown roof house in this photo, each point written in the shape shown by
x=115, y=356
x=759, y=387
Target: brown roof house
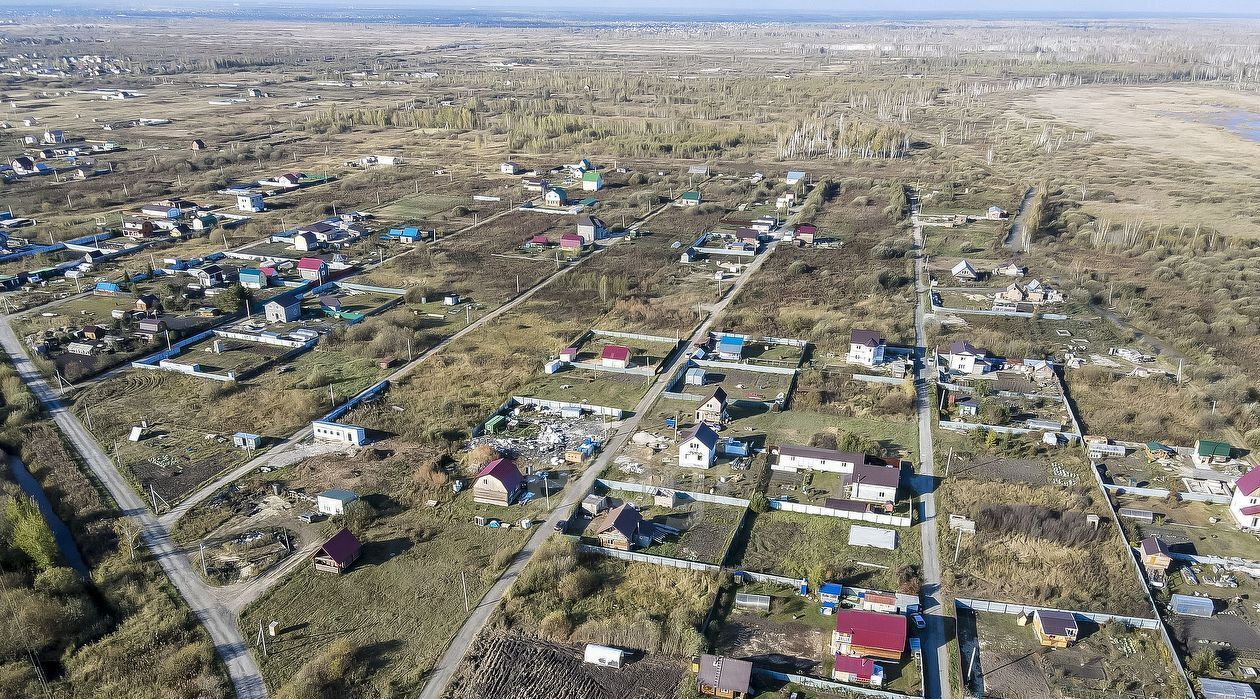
x=727, y=678
x=1156, y=559
x=1055, y=629
x=338, y=553
x=497, y=483
x=712, y=410
x=619, y=527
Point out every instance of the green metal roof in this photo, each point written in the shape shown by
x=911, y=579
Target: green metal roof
x=691, y=196
x=1209, y=448
x=591, y=176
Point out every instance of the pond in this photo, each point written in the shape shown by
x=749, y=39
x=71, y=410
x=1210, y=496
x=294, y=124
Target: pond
x=1241, y=122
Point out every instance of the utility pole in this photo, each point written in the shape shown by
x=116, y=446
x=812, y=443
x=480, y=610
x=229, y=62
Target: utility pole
x=949, y=461
x=464, y=584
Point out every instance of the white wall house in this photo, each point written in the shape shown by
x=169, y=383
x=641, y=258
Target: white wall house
x=866, y=347
x=965, y=359
x=1245, y=506
x=793, y=458
x=698, y=448
x=873, y=481
x=333, y=432
x=334, y=501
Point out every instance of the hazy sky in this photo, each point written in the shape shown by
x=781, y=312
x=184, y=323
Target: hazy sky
x=727, y=6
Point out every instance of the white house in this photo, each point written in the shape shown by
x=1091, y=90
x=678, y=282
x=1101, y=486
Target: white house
x=793, y=458
x=282, y=309
x=965, y=359
x=334, y=501
x=510, y=168
x=251, y=202
x=1245, y=507
x=305, y=242
x=875, y=480
x=698, y=448
x=335, y=432
x=795, y=176
x=53, y=136
x=965, y=272
x=1010, y=269
x=866, y=347
x=995, y=213
x=712, y=409
x=556, y=197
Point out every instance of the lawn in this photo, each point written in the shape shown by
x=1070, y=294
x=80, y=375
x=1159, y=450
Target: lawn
x=816, y=548
x=419, y=207
x=590, y=387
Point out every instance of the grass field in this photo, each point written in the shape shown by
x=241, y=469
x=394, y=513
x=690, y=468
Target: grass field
x=590, y=387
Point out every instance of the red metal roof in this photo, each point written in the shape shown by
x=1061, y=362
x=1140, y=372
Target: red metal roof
x=1250, y=510
x=1249, y=483
x=311, y=263
x=886, y=632
x=616, y=353
x=862, y=668
x=343, y=548
x=504, y=471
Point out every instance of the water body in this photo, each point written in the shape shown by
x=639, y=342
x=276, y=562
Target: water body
x=65, y=542
x=1241, y=122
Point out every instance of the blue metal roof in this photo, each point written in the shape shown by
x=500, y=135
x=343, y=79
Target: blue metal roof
x=831, y=589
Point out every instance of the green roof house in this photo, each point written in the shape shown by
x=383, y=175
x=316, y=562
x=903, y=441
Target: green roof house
x=592, y=181
x=691, y=199
x=1208, y=452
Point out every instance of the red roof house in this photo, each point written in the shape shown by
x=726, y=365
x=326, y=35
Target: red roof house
x=616, y=356
x=1245, y=505
x=497, y=482
x=860, y=633
x=540, y=241
x=338, y=553
x=312, y=268
x=571, y=241
x=857, y=671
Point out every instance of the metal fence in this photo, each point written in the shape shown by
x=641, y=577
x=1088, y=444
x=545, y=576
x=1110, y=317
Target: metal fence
x=637, y=336
x=869, y=378
x=685, y=494
x=872, y=517
x=982, y=605
x=652, y=559
x=831, y=686
x=760, y=368
x=614, y=413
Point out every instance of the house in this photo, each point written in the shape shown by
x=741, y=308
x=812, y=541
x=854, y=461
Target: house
x=305, y=241
x=1156, y=451
x=1245, y=505
x=1191, y=605
x=251, y=202
x=864, y=634
x=283, y=309
x=148, y=303
x=510, y=168
x=963, y=271
x=338, y=553
x=252, y=278
x=204, y=222
x=571, y=241
x=785, y=200
x=689, y=199
x=1207, y=452
x=498, y=482
x=93, y=332
x=694, y=376
x=54, y=136
x=1012, y=294
x=1156, y=560
x=150, y=328
x=966, y=359
x=592, y=181
x=210, y=275
x=873, y=480
x=22, y=165
x=538, y=241
x=875, y=601
x=730, y=348
x=569, y=354
x=615, y=356
x=619, y=527
x=866, y=347
x=793, y=458
x=995, y=213
x=712, y=410
x=968, y=407
x=698, y=448
x=534, y=184
x=556, y=197
x=594, y=505
x=862, y=671
x=247, y=440
x=198, y=144
x=312, y=269
x=334, y=501
x=591, y=228
x=727, y=678
x=1010, y=269
x=1055, y=629
x=806, y=233
x=1036, y=292
x=795, y=176
x=289, y=179
x=136, y=227
x=86, y=349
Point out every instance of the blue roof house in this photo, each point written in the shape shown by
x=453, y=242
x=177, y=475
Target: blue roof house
x=253, y=278
x=730, y=348
x=829, y=594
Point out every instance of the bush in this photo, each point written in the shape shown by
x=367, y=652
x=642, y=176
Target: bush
x=759, y=503
x=556, y=626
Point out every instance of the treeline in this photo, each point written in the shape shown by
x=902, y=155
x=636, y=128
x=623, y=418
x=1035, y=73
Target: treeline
x=445, y=117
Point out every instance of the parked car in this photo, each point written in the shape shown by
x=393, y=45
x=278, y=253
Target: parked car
x=919, y=622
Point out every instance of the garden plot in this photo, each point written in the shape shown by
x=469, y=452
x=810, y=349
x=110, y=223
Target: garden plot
x=222, y=356
x=1198, y=528
x=1005, y=411
x=599, y=350
x=1111, y=660
x=791, y=637
x=1066, y=472
x=537, y=439
x=1227, y=644
x=816, y=547
x=752, y=390
x=690, y=530
x=517, y=666
x=590, y=387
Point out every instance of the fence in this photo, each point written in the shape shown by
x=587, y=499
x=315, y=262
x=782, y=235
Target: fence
x=637, y=336
x=872, y=517
x=368, y=394
x=982, y=605
x=368, y=287
x=151, y=361
x=614, y=413
x=969, y=426
x=686, y=494
x=265, y=339
x=868, y=378
x=1250, y=567
x=760, y=368
x=770, y=578
x=650, y=559
x=631, y=371
x=830, y=686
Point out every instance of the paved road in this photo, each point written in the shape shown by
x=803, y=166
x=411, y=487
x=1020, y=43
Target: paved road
x=573, y=494
x=220, y=623
x=936, y=664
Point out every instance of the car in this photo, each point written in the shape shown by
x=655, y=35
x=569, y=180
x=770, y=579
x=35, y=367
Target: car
x=913, y=609
x=919, y=622
x=311, y=517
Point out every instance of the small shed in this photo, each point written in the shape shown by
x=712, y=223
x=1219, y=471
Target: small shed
x=338, y=553
x=594, y=504
x=246, y=440
x=829, y=595
x=1054, y=628
x=1189, y=605
x=569, y=354
x=606, y=656
x=334, y=501
x=695, y=376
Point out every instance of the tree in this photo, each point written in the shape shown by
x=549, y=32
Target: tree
x=31, y=534
x=358, y=516
x=759, y=503
x=1204, y=662
x=234, y=299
